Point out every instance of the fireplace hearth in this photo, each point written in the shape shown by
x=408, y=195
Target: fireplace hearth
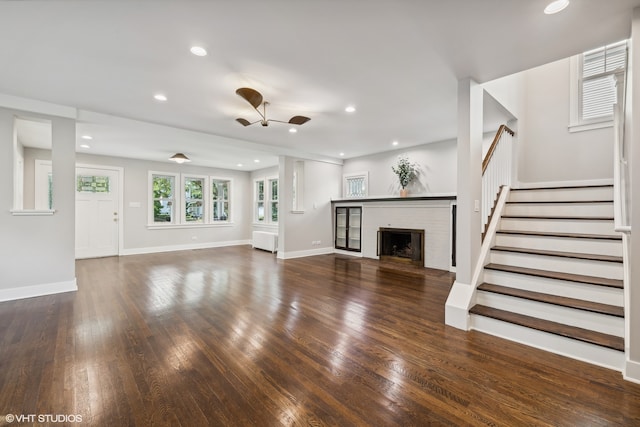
x=401, y=245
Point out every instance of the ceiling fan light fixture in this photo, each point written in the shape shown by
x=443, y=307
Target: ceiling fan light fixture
x=179, y=158
x=254, y=98
x=556, y=6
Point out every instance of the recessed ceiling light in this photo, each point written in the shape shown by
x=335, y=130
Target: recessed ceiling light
x=556, y=6
x=256, y=161
x=85, y=146
x=293, y=130
x=394, y=143
x=341, y=154
x=88, y=137
x=350, y=109
x=160, y=97
x=199, y=51
x=239, y=165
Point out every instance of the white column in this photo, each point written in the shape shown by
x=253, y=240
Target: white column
x=469, y=195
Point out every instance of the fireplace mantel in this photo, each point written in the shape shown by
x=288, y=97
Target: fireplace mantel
x=395, y=199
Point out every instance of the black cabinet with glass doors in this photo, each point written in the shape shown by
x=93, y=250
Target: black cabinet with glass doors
x=348, y=223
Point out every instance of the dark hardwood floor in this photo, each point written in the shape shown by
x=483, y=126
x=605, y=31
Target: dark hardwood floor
x=233, y=336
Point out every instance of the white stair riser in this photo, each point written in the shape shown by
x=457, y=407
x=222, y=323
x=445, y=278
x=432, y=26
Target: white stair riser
x=579, y=350
x=560, y=209
x=559, y=226
x=562, y=288
x=562, y=194
x=590, y=246
x=608, y=270
x=568, y=316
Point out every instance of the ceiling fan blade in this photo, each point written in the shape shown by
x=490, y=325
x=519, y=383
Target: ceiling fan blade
x=243, y=122
x=252, y=96
x=299, y=120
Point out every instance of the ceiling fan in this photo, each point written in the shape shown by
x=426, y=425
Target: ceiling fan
x=254, y=98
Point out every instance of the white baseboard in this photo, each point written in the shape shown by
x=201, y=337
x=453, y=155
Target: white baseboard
x=305, y=253
x=38, y=290
x=188, y=247
x=578, y=183
x=632, y=371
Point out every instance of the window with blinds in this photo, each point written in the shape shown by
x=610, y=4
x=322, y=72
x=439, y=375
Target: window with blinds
x=599, y=67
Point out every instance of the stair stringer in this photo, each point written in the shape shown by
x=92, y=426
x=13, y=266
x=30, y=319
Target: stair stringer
x=463, y=295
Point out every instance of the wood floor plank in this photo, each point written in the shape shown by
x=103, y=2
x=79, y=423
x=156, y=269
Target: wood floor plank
x=233, y=336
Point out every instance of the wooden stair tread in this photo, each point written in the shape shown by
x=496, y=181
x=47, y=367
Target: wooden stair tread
x=591, y=257
x=536, y=202
x=594, y=307
x=600, y=281
x=584, y=335
x=567, y=235
x=572, y=218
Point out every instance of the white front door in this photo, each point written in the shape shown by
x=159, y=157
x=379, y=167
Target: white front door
x=97, y=212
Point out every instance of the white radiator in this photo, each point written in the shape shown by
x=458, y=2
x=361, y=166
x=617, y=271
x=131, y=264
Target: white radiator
x=265, y=240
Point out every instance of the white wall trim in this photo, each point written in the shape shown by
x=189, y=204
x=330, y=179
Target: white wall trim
x=349, y=253
x=631, y=371
x=187, y=247
x=38, y=290
x=580, y=183
x=305, y=253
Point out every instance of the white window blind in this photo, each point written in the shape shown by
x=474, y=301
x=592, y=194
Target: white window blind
x=599, y=66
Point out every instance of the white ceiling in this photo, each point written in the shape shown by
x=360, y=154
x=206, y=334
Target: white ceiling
x=397, y=61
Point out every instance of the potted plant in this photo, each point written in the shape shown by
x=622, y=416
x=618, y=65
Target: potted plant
x=406, y=171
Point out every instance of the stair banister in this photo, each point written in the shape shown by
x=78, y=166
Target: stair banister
x=496, y=170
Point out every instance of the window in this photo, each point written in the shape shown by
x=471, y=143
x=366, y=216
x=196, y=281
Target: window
x=273, y=199
x=356, y=185
x=220, y=199
x=593, y=85
x=163, y=194
x=266, y=201
x=194, y=191
x=202, y=200
x=260, y=201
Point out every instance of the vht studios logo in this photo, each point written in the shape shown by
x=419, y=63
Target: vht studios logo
x=43, y=418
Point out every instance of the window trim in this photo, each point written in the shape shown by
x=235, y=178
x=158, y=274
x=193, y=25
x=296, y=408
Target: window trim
x=176, y=198
x=183, y=205
x=345, y=186
x=266, y=201
x=229, y=219
x=180, y=199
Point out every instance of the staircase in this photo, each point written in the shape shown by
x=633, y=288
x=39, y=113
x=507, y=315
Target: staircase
x=555, y=276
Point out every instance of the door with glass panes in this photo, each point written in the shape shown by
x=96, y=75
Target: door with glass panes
x=348, y=223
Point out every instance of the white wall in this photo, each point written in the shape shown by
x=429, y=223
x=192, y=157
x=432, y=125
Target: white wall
x=436, y=167
x=298, y=231
x=139, y=238
x=37, y=252
x=549, y=152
